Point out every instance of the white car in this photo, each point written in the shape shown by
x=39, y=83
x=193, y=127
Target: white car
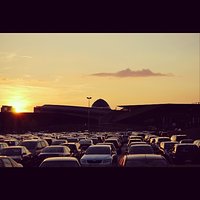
x=97, y=156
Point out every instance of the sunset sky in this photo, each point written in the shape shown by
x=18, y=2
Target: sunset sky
x=122, y=68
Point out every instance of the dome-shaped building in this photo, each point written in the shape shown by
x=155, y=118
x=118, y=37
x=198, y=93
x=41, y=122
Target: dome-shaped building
x=100, y=103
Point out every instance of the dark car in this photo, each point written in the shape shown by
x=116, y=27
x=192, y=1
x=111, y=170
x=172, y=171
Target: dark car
x=165, y=149
x=6, y=161
x=49, y=140
x=59, y=141
x=12, y=142
x=185, y=152
x=133, y=140
x=141, y=149
x=178, y=138
x=74, y=149
x=35, y=146
x=72, y=139
x=84, y=144
x=3, y=145
x=60, y=162
x=54, y=151
x=157, y=142
x=144, y=160
x=18, y=153
x=116, y=142
x=187, y=141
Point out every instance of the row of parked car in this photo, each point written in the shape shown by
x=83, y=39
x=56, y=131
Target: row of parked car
x=161, y=150
x=123, y=149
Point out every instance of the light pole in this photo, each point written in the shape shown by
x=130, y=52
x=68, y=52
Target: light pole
x=88, y=98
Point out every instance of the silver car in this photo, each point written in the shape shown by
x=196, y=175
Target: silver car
x=97, y=156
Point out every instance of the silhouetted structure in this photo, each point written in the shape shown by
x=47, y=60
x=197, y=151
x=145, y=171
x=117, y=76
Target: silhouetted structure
x=7, y=109
x=102, y=118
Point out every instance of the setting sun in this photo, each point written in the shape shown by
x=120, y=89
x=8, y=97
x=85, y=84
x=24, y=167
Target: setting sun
x=19, y=104
x=18, y=107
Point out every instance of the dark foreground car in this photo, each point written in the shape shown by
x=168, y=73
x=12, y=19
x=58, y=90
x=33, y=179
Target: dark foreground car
x=144, y=160
x=141, y=149
x=60, y=162
x=185, y=152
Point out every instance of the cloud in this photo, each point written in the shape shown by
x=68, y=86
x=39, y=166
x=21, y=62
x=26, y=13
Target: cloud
x=26, y=57
x=8, y=56
x=130, y=73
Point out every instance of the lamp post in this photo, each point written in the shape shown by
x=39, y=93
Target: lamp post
x=88, y=98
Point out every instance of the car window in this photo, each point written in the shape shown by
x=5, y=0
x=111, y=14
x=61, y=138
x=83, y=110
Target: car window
x=14, y=164
x=11, y=152
x=98, y=150
x=29, y=144
x=52, y=149
x=43, y=144
x=1, y=163
x=39, y=145
x=7, y=162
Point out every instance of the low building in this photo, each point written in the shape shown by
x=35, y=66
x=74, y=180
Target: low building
x=7, y=109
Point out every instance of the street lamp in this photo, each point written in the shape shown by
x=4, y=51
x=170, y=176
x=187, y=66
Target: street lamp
x=88, y=98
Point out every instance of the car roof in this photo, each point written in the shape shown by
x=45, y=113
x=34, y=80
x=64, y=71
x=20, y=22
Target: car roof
x=99, y=145
x=60, y=159
x=142, y=156
x=171, y=142
x=55, y=146
x=32, y=140
x=140, y=145
x=4, y=157
x=103, y=143
x=185, y=144
x=14, y=147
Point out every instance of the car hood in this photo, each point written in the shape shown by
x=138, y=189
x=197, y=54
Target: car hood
x=96, y=156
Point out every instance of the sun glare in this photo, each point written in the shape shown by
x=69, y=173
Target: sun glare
x=19, y=105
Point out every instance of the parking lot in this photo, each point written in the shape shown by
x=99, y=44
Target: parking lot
x=99, y=149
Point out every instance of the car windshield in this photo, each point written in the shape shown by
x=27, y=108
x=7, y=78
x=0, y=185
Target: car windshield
x=29, y=144
x=141, y=150
x=112, y=141
x=60, y=164
x=11, y=152
x=71, y=146
x=72, y=139
x=53, y=149
x=169, y=146
x=163, y=139
x=98, y=150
